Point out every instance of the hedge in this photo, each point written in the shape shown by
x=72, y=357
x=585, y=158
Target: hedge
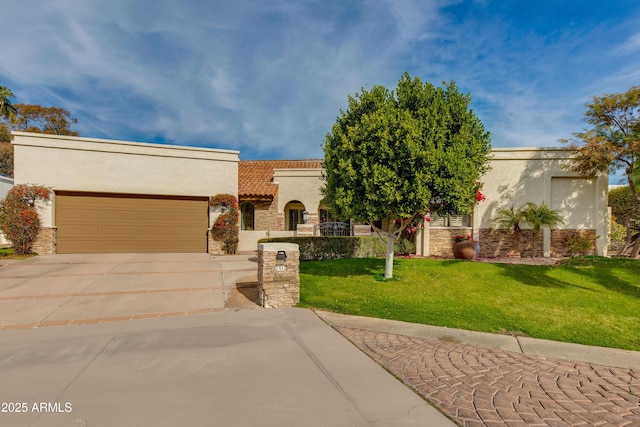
x=321, y=248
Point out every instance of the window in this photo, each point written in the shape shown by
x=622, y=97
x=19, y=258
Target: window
x=325, y=216
x=247, y=216
x=450, y=221
x=295, y=218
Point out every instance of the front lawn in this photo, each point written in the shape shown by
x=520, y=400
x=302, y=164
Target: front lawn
x=590, y=300
x=8, y=253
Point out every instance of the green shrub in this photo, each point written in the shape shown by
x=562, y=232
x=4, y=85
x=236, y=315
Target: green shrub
x=618, y=231
x=19, y=219
x=578, y=245
x=405, y=247
x=322, y=248
x=225, y=227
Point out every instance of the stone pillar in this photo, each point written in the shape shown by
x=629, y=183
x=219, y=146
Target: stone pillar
x=278, y=274
x=45, y=243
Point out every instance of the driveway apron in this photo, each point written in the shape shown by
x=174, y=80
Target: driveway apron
x=78, y=289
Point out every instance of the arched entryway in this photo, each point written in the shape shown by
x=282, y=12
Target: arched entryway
x=293, y=214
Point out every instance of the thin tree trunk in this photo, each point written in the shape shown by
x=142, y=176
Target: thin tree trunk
x=388, y=264
x=518, y=239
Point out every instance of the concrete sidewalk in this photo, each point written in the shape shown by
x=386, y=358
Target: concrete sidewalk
x=278, y=367
x=524, y=345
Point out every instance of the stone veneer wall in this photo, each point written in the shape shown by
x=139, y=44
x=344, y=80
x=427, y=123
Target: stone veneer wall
x=266, y=214
x=215, y=247
x=45, y=243
x=441, y=239
x=278, y=288
x=500, y=243
x=559, y=241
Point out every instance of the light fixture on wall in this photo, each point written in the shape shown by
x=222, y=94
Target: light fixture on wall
x=305, y=216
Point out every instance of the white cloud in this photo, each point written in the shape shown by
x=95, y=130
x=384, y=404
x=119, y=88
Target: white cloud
x=269, y=78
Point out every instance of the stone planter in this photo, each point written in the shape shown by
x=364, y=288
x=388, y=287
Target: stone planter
x=467, y=249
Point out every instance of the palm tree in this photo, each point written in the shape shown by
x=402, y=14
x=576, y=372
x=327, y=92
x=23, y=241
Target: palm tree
x=510, y=219
x=7, y=110
x=539, y=217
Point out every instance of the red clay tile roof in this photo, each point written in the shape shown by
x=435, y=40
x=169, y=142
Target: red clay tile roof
x=255, y=176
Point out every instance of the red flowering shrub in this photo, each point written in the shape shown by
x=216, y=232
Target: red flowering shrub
x=225, y=227
x=19, y=219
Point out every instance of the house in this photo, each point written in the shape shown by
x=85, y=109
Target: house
x=119, y=196
x=283, y=190
x=518, y=176
x=277, y=195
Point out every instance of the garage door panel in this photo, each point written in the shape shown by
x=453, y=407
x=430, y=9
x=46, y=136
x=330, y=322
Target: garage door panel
x=125, y=223
x=119, y=230
x=79, y=230
x=117, y=215
x=79, y=214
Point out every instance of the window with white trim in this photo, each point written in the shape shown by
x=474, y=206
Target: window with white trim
x=450, y=220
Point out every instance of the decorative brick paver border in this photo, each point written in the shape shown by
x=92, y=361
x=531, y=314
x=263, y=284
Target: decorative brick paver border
x=490, y=387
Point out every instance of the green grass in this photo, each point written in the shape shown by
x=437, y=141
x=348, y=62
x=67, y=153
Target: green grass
x=8, y=253
x=591, y=300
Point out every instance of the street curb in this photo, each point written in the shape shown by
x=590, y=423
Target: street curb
x=536, y=347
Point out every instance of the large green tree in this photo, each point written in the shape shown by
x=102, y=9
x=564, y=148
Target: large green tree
x=613, y=142
x=397, y=155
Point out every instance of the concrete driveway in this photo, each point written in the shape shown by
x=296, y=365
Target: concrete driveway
x=83, y=289
x=160, y=340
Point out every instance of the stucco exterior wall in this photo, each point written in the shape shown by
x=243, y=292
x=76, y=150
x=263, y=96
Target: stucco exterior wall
x=303, y=185
x=520, y=175
x=97, y=165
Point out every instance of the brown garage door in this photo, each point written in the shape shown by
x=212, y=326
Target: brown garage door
x=100, y=223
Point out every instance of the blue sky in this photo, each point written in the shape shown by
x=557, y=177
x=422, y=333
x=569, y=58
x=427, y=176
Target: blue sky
x=269, y=77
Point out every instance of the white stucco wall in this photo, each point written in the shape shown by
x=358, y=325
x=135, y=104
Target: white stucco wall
x=303, y=185
x=520, y=175
x=98, y=165
x=6, y=184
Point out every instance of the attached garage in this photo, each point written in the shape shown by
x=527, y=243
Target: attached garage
x=122, y=196
x=102, y=223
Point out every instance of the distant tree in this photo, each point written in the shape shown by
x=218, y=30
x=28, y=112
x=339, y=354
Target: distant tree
x=30, y=118
x=19, y=218
x=399, y=155
x=39, y=119
x=613, y=143
x=626, y=211
x=7, y=110
x=6, y=159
